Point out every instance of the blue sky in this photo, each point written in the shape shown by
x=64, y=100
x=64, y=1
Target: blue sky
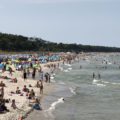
x=91, y=22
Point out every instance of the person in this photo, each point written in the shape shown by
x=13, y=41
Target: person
x=13, y=105
x=4, y=77
x=24, y=75
x=2, y=93
x=105, y=67
x=46, y=77
x=36, y=106
x=80, y=67
x=99, y=76
x=10, y=70
x=33, y=73
x=2, y=84
x=31, y=65
x=93, y=75
x=18, y=91
x=14, y=80
x=3, y=108
x=25, y=89
x=37, y=85
x=41, y=87
x=32, y=94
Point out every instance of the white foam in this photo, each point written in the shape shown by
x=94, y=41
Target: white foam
x=69, y=68
x=101, y=85
x=52, y=107
x=52, y=77
x=95, y=81
x=66, y=70
x=110, y=83
x=115, y=83
x=68, y=65
x=72, y=91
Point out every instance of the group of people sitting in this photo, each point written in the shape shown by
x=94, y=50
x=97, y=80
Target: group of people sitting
x=29, y=93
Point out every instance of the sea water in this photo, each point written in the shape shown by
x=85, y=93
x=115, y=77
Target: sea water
x=79, y=96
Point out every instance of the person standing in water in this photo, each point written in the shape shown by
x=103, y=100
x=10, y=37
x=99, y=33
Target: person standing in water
x=93, y=75
x=99, y=76
x=80, y=67
x=41, y=87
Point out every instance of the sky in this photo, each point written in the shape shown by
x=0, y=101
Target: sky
x=87, y=22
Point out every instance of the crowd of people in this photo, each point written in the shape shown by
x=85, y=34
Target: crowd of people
x=34, y=73
x=23, y=71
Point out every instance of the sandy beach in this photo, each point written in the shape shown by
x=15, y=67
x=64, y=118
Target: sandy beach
x=22, y=102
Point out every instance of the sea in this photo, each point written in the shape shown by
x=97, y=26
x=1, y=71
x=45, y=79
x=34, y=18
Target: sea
x=79, y=96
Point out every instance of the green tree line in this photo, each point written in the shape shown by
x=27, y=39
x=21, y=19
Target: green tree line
x=19, y=43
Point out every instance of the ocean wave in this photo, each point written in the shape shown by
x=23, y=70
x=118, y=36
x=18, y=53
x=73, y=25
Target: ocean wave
x=52, y=77
x=69, y=68
x=66, y=70
x=52, y=107
x=68, y=65
x=113, y=83
x=100, y=85
x=72, y=91
x=96, y=82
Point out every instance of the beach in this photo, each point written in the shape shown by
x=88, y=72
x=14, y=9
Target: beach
x=22, y=102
